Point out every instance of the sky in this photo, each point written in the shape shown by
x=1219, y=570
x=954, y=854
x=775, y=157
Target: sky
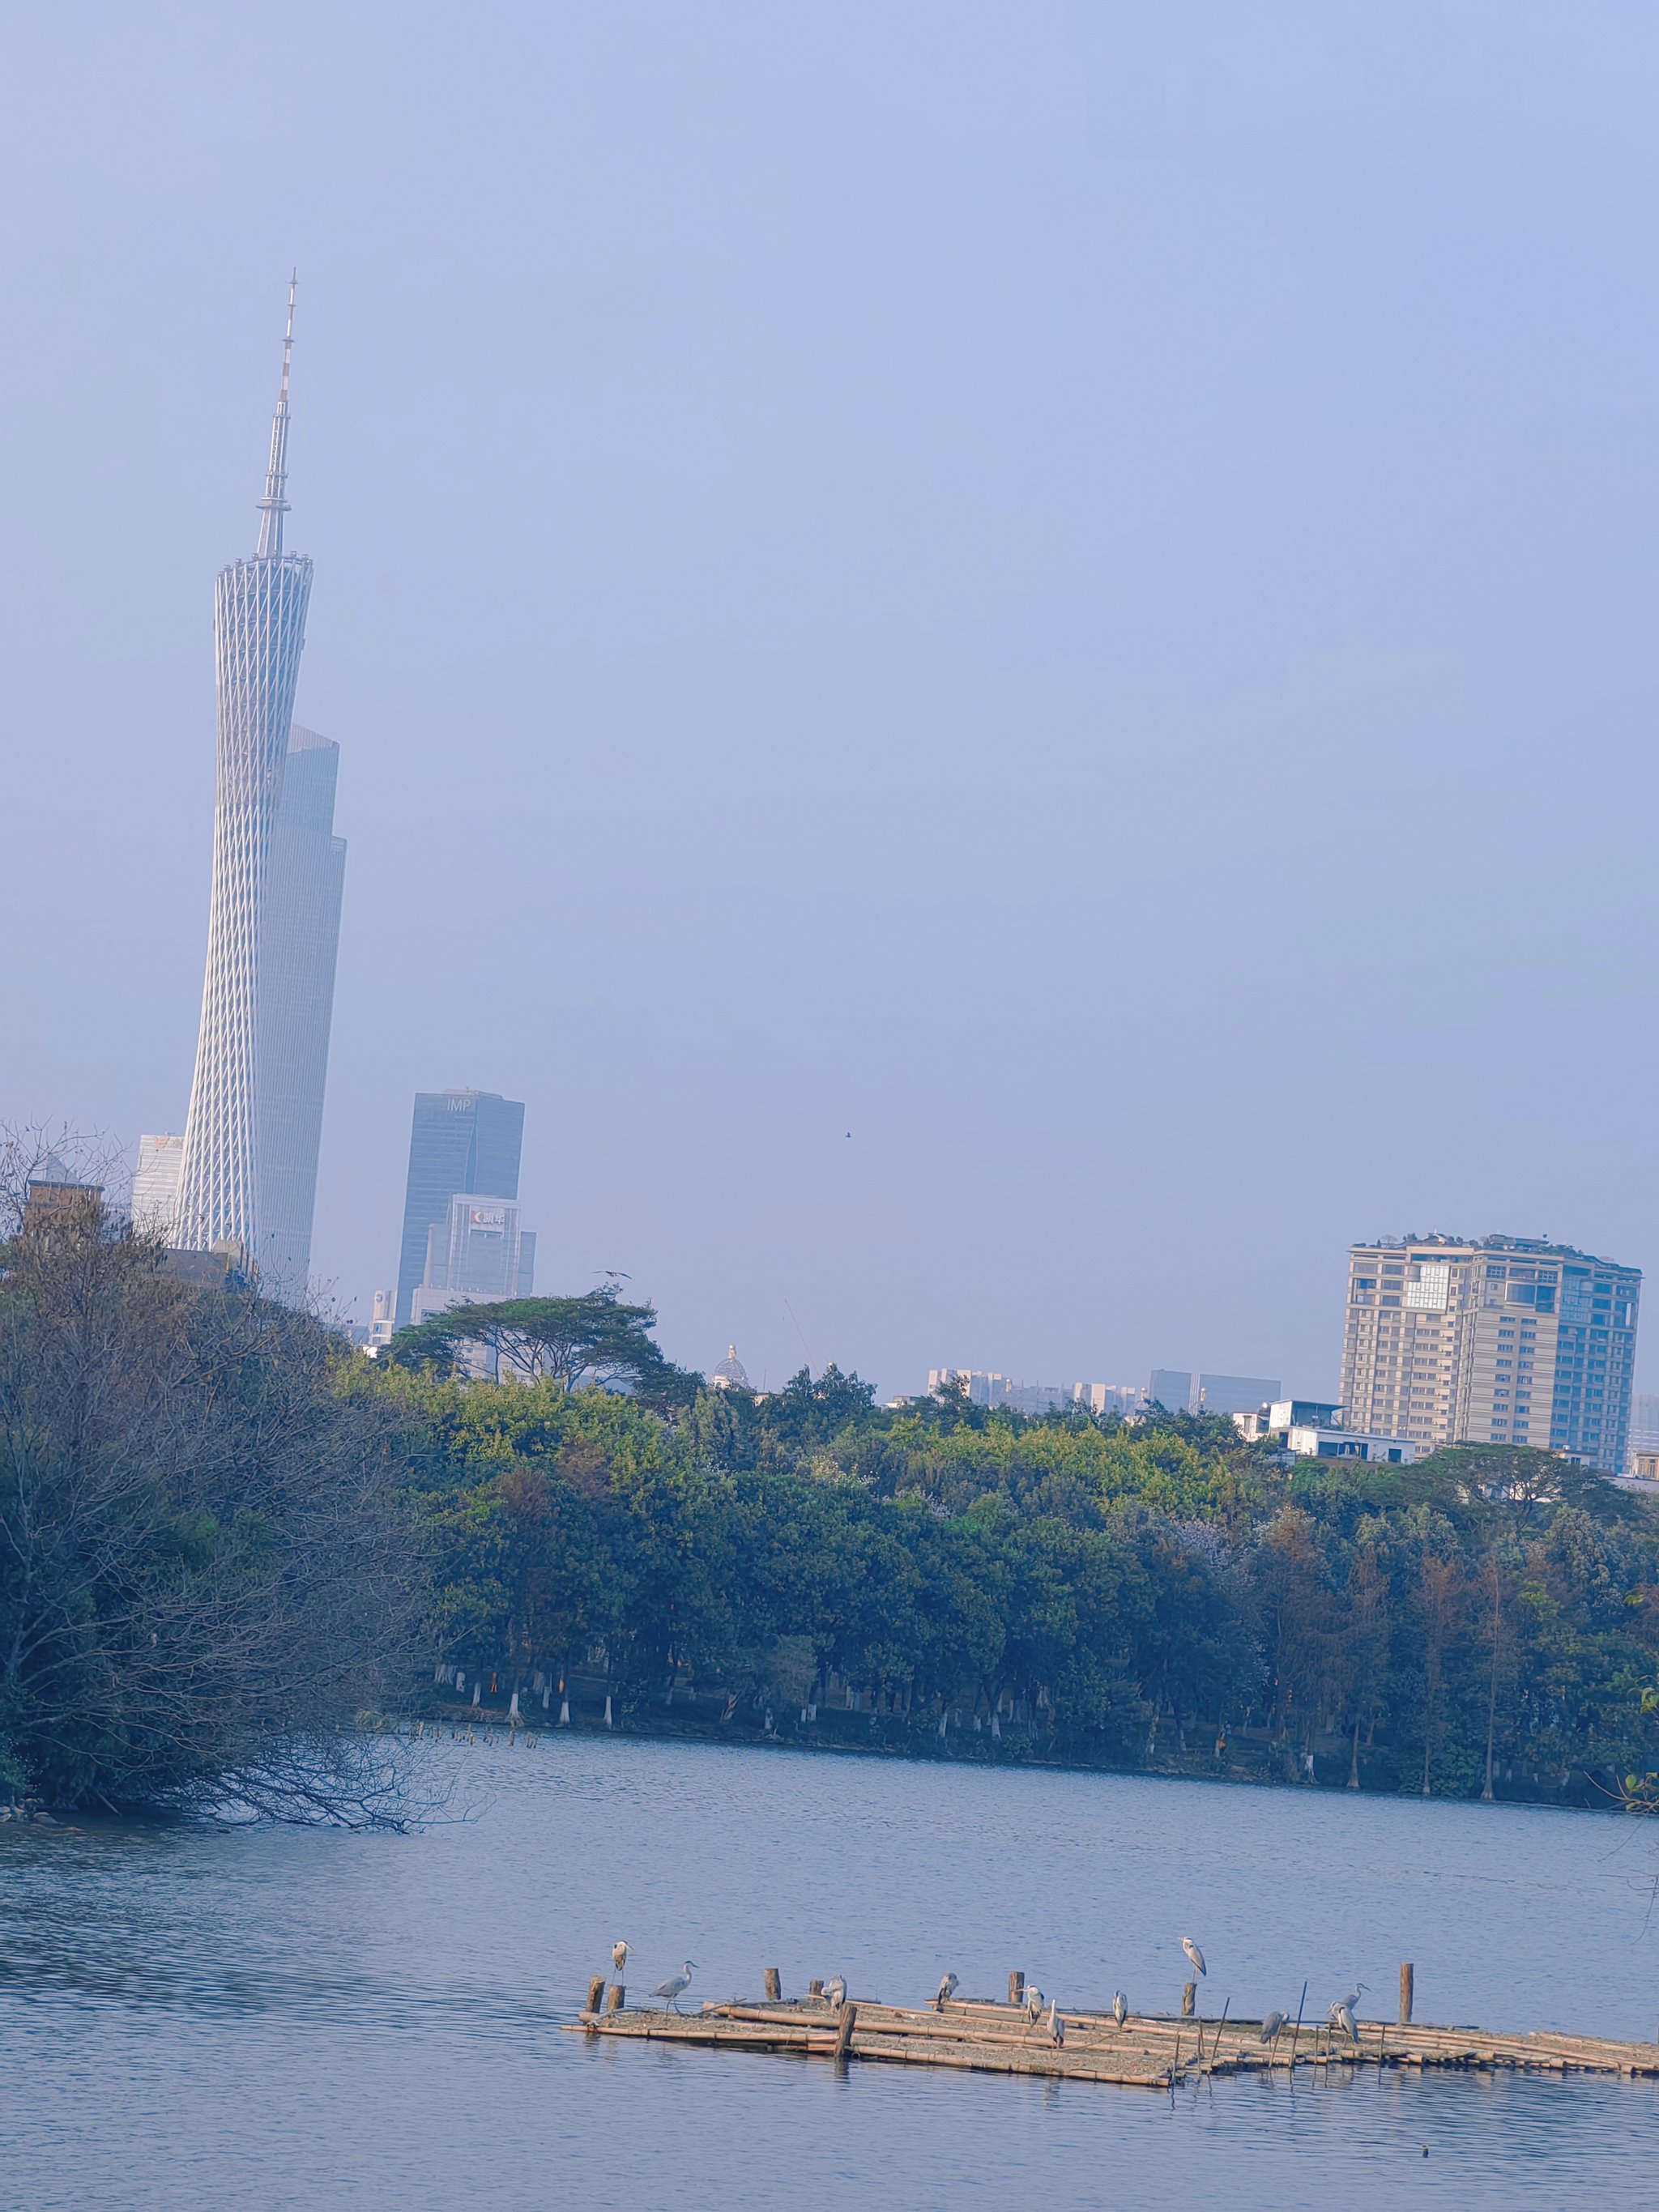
x=1001, y=657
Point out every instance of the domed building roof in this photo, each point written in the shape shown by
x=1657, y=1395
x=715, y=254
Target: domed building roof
x=731, y=1374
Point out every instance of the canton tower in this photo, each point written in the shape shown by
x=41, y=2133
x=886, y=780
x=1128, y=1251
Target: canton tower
x=259, y=627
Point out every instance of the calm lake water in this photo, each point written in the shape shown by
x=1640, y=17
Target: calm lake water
x=274, y=2018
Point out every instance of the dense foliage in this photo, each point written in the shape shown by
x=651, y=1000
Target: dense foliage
x=1486, y=1620
x=224, y=1535
x=204, y=1571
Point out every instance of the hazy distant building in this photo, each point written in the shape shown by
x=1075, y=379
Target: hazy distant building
x=1644, y=1435
x=383, y=1321
x=300, y=938
x=273, y=920
x=988, y=1388
x=1180, y=1391
x=1506, y=1340
x=1312, y=1428
x=731, y=1374
x=155, y=1185
x=461, y=1142
x=478, y=1253
x=54, y=1193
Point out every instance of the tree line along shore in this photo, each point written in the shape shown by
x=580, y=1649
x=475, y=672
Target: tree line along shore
x=225, y=1535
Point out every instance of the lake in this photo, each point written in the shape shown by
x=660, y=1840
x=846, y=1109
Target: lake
x=281, y=2018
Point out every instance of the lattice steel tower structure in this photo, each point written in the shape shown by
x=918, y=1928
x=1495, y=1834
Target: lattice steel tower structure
x=259, y=624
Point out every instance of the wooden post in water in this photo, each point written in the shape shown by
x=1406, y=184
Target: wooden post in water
x=773, y=1984
x=1407, y=1978
x=1189, y=1999
x=595, y=1992
x=618, y=1997
x=1296, y=2032
x=1016, y=1988
x=815, y=1989
x=849, y=2014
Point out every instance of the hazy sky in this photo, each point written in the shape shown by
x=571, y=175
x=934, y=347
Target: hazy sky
x=1067, y=589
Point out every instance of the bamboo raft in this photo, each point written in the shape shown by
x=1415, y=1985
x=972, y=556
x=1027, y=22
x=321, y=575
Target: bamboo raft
x=1153, y=2050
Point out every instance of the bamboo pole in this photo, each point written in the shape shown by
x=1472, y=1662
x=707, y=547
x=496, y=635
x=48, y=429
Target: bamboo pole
x=1296, y=2032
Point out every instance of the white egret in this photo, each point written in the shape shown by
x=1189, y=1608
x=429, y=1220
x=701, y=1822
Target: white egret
x=670, y=1990
x=1194, y=1955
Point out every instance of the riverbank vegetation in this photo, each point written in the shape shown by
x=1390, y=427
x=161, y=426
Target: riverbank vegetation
x=224, y=1535
x=207, y=1568
x=1064, y=1588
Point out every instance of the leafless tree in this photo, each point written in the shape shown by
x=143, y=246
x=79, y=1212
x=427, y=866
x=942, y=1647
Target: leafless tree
x=204, y=1572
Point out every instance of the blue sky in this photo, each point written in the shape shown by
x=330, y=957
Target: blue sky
x=1066, y=590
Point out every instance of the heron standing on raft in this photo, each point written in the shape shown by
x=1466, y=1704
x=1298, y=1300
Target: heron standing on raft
x=671, y=1990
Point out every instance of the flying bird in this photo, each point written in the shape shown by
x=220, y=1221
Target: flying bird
x=1194, y=1955
x=1271, y=2026
x=619, y=1955
x=670, y=1990
x=947, y=1989
x=1120, y=2007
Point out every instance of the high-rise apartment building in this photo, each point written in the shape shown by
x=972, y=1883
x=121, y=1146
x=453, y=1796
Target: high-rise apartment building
x=248, y=1172
x=1506, y=1340
x=461, y=1144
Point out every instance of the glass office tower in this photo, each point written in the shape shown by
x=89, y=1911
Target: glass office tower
x=461, y=1143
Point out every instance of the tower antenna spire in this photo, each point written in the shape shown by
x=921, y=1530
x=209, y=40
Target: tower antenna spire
x=274, y=506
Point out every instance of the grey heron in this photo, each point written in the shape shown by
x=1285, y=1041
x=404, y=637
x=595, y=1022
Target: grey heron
x=1271, y=2026
x=670, y=1990
x=1120, y=2007
x=947, y=1989
x=1035, y=2002
x=619, y=1955
x=1194, y=1955
x=1341, y=2015
x=1056, y=2024
x=834, y=1991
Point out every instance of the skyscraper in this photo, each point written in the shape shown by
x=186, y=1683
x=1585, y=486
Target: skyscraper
x=1506, y=1340
x=299, y=939
x=462, y=1143
x=156, y=1184
x=249, y=1167
x=478, y=1251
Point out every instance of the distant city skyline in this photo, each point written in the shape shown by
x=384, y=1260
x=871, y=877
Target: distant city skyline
x=806, y=662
